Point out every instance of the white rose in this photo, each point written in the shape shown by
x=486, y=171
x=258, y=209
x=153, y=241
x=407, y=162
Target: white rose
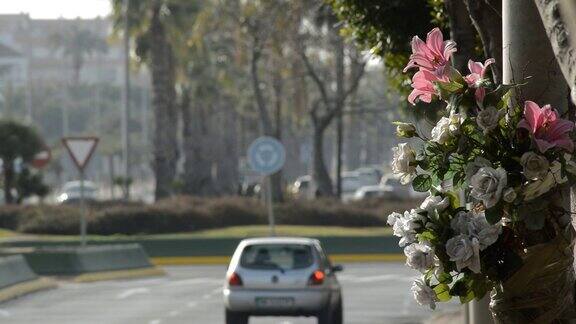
x=463, y=223
x=488, y=119
x=405, y=130
x=423, y=294
x=435, y=203
x=509, y=195
x=473, y=167
x=419, y=257
x=541, y=186
x=403, y=162
x=465, y=252
x=535, y=166
x=487, y=234
x=476, y=226
x=446, y=128
x=487, y=185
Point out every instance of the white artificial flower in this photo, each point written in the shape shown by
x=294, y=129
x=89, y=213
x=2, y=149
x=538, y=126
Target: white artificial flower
x=405, y=226
x=465, y=252
x=435, y=203
x=473, y=167
x=541, y=186
x=438, y=267
x=446, y=128
x=487, y=185
x=404, y=162
x=424, y=294
x=419, y=256
x=488, y=119
x=535, y=166
x=463, y=223
x=392, y=218
x=509, y=195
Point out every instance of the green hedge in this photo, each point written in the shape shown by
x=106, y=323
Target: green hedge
x=186, y=214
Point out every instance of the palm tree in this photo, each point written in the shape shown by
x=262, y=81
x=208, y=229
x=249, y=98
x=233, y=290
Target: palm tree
x=77, y=44
x=157, y=27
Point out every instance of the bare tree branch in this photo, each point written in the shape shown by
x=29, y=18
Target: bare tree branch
x=315, y=77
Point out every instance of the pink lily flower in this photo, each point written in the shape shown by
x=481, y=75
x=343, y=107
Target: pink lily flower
x=423, y=85
x=547, y=128
x=433, y=55
x=477, y=74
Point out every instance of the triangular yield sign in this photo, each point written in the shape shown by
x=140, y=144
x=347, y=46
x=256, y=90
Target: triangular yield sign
x=80, y=149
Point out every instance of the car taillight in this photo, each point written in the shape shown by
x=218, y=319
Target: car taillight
x=317, y=278
x=234, y=280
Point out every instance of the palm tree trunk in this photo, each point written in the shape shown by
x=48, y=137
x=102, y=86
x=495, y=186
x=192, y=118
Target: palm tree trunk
x=165, y=111
x=197, y=179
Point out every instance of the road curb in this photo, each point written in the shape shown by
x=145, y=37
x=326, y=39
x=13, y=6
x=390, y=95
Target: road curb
x=27, y=287
x=120, y=274
x=337, y=258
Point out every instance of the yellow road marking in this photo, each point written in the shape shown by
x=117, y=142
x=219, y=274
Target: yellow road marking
x=189, y=260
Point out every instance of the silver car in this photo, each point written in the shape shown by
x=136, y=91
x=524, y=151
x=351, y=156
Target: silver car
x=282, y=276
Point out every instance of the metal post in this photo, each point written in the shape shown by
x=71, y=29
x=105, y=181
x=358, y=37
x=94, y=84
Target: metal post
x=270, y=205
x=82, y=211
x=126, y=104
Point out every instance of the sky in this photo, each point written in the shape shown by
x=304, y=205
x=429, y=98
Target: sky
x=51, y=9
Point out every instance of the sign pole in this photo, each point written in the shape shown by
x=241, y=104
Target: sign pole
x=82, y=211
x=266, y=156
x=270, y=204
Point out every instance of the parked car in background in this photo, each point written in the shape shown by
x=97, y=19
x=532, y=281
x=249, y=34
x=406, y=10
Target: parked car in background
x=351, y=182
x=369, y=176
x=368, y=192
x=302, y=188
x=400, y=191
x=70, y=193
x=282, y=277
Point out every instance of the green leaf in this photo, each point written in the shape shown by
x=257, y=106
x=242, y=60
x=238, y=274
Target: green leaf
x=442, y=292
x=422, y=183
x=427, y=236
x=445, y=278
x=468, y=297
x=459, y=288
x=447, y=89
x=494, y=214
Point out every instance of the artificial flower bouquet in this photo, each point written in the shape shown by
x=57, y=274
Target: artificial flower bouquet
x=497, y=171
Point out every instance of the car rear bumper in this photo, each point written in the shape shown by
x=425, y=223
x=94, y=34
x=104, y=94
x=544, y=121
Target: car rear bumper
x=305, y=301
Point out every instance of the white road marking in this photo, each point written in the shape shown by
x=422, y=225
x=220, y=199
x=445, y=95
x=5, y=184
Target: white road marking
x=5, y=313
x=156, y=321
x=174, y=313
x=375, y=278
x=130, y=292
x=192, y=304
x=195, y=281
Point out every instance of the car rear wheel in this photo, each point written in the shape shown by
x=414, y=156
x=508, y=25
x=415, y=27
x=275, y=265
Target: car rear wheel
x=331, y=315
x=236, y=317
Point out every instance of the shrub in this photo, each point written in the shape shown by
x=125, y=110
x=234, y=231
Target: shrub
x=184, y=214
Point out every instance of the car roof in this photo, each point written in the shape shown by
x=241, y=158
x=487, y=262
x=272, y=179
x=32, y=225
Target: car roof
x=279, y=240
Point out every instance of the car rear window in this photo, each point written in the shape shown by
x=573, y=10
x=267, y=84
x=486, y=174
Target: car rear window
x=276, y=256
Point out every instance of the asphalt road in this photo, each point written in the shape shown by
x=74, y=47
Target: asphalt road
x=375, y=293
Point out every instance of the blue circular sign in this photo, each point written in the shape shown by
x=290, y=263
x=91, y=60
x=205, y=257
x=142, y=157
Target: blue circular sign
x=266, y=155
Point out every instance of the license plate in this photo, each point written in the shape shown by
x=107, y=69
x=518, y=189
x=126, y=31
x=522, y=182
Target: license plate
x=266, y=302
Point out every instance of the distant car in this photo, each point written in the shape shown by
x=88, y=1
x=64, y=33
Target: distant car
x=399, y=191
x=71, y=192
x=282, y=277
x=302, y=187
x=369, y=176
x=368, y=192
x=351, y=182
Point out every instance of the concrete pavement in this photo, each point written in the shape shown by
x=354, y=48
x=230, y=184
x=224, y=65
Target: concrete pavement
x=374, y=293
